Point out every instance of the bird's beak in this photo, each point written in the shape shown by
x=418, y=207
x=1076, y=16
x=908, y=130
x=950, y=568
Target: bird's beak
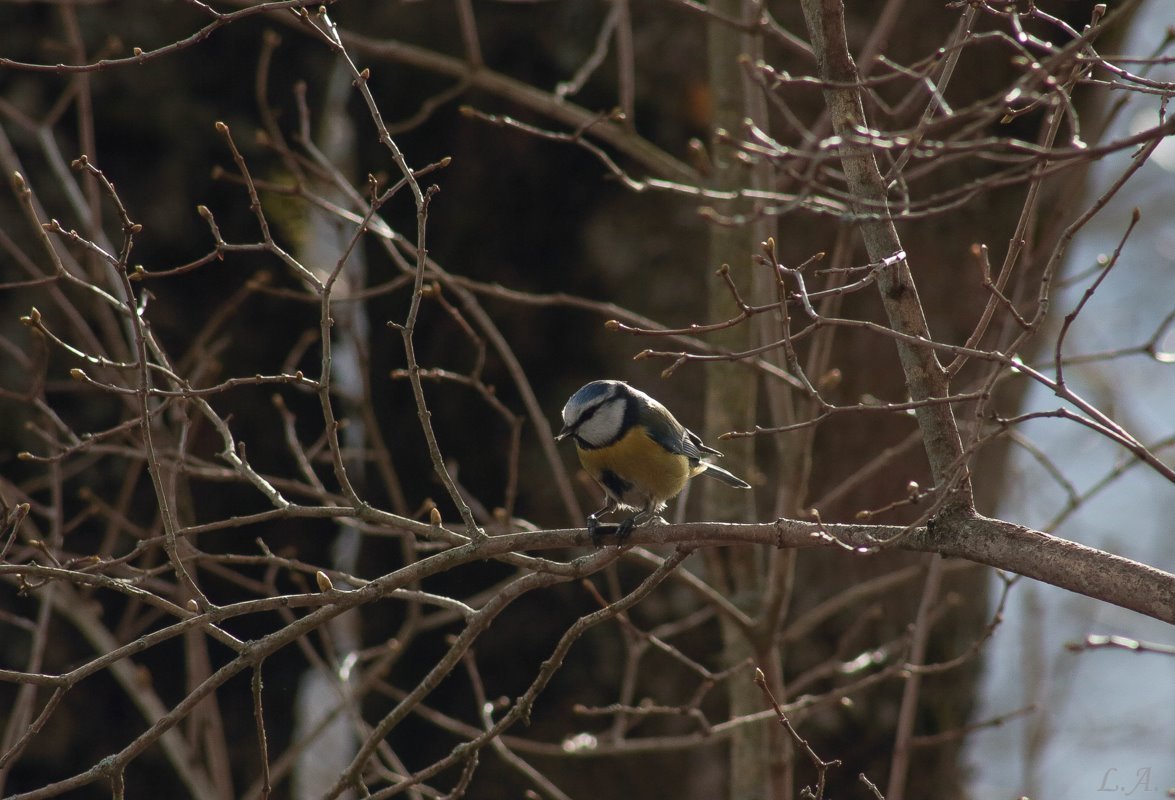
x=563, y=434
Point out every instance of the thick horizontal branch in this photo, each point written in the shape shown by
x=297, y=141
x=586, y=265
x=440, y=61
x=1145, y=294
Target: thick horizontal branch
x=996, y=543
x=993, y=542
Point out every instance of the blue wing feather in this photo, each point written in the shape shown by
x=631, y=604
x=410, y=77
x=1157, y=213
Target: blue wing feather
x=666, y=431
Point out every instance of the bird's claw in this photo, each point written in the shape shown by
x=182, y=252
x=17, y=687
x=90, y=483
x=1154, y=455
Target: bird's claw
x=598, y=530
x=593, y=528
x=624, y=529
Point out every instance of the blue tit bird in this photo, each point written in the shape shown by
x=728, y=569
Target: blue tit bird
x=634, y=448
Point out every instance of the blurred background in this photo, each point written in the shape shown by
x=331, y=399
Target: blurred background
x=529, y=222
x=1104, y=723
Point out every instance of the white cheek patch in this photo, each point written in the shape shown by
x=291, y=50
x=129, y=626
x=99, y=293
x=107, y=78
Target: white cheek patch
x=603, y=426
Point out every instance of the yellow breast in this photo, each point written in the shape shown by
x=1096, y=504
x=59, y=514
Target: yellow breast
x=656, y=475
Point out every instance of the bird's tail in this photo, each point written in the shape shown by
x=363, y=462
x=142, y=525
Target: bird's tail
x=729, y=478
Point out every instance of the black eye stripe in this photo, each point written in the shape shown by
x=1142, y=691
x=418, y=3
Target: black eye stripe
x=589, y=412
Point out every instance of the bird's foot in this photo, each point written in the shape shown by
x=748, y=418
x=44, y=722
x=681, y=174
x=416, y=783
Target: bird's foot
x=623, y=529
x=597, y=530
x=593, y=526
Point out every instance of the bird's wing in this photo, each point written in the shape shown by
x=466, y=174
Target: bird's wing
x=669, y=433
x=696, y=441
